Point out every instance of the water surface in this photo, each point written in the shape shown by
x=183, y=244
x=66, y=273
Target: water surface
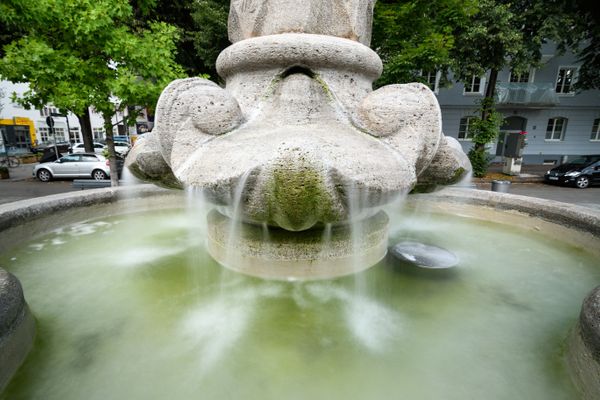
x=133, y=308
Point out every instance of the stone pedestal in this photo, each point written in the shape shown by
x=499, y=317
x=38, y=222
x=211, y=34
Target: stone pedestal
x=312, y=254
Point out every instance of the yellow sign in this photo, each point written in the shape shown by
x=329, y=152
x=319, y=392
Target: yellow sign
x=21, y=121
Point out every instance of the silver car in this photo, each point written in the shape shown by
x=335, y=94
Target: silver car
x=77, y=165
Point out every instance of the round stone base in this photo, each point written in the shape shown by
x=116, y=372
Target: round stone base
x=272, y=253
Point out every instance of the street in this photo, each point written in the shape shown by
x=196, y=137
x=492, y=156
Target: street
x=22, y=185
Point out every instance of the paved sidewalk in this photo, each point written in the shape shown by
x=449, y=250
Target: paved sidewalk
x=529, y=174
x=21, y=173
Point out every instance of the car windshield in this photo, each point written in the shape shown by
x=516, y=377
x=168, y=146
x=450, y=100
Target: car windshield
x=585, y=160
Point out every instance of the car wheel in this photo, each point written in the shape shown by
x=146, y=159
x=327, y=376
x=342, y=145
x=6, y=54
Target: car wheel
x=582, y=182
x=99, y=175
x=44, y=175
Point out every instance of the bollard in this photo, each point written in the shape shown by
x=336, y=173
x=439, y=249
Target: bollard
x=500, y=186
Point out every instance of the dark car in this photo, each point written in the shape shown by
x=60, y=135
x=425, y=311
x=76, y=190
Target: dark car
x=581, y=172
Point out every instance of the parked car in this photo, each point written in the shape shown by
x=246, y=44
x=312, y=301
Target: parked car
x=80, y=148
x=76, y=165
x=63, y=147
x=581, y=172
x=121, y=138
x=122, y=148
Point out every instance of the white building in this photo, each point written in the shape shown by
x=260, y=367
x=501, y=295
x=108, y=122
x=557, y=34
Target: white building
x=20, y=128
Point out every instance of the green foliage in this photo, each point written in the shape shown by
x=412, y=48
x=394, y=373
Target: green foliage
x=202, y=27
x=210, y=35
x=490, y=41
x=584, y=40
x=85, y=53
x=479, y=161
x=417, y=35
x=485, y=130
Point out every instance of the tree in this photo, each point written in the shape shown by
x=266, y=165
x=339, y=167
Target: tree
x=585, y=41
x=83, y=54
x=490, y=41
x=504, y=33
x=410, y=36
x=202, y=27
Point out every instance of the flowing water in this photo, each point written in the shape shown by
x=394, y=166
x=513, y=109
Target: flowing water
x=132, y=307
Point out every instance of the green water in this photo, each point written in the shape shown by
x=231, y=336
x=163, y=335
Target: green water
x=133, y=308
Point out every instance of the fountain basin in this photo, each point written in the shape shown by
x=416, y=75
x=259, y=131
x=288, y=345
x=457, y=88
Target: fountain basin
x=163, y=291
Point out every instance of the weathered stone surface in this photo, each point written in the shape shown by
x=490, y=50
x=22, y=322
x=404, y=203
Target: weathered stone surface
x=449, y=165
x=189, y=112
x=297, y=255
x=298, y=138
x=297, y=153
x=590, y=323
x=145, y=162
x=350, y=19
x=17, y=327
x=408, y=117
x=11, y=301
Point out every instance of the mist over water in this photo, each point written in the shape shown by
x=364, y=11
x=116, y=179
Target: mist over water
x=132, y=307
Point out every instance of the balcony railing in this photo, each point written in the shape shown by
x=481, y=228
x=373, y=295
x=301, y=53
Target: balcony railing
x=526, y=94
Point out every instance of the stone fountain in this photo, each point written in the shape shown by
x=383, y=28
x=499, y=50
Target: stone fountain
x=296, y=148
x=297, y=139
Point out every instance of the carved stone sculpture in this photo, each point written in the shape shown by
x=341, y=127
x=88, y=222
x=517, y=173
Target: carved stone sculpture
x=298, y=137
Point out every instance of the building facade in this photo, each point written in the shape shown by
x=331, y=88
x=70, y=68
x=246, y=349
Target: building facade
x=21, y=129
x=560, y=122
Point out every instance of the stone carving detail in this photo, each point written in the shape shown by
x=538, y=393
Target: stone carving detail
x=350, y=19
x=298, y=137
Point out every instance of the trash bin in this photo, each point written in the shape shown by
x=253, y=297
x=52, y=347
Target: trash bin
x=500, y=186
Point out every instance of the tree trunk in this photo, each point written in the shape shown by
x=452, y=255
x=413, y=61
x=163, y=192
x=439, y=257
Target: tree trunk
x=490, y=91
x=86, y=130
x=110, y=144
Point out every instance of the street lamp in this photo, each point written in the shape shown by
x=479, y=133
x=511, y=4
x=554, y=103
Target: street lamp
x=50, y=123
x=66, y=118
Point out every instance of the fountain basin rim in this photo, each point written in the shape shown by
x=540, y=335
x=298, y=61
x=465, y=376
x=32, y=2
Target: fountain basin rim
x=579, y=218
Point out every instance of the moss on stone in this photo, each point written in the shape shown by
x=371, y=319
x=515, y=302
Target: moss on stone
x=299, y=198
x=166, y=180
x=325, y=86
x=457, y=176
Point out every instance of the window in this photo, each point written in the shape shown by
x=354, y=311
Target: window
x=431, y=79
x=71, y=158
x=464, y=132
x=565, y=79
x=521, y=78
x=47, y=111
x=595, y=130
x=59, y=134
x=556, y=129
x=74, y=135
x=44, y=135
x=22, y=138
x=89, y=158
x=98, y=133
x=475, y=85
